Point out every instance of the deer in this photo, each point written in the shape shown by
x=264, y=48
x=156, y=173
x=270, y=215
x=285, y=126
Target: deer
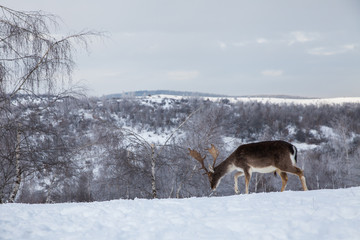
x=263, y=157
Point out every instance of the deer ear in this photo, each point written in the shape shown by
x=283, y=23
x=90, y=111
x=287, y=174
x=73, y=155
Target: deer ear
x=211, y=169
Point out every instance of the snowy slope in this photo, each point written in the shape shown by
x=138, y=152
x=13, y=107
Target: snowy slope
x=271, y=100
x=322, y=214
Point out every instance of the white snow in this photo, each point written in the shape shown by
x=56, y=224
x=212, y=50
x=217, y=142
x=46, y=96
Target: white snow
x=304, y=146
x=306, y=101
x=328, y=132
x=321, y=214
x=272, y=100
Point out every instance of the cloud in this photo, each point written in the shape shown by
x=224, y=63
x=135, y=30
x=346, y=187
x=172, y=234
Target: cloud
x=349, y=47
x=302, y=37
x=323, y=51
x=222, y=45
x=272, y=73
x=183, y=75
x=262, y=40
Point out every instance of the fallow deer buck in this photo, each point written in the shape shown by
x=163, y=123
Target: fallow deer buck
x=262, y=157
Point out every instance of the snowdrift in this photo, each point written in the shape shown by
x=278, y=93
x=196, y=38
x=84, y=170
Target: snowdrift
x=321, y=214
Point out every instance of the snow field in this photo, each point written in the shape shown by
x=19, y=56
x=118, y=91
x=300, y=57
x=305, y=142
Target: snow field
x=321, y=214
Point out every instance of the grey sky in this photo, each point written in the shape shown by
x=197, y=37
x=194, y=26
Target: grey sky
x=303, y=48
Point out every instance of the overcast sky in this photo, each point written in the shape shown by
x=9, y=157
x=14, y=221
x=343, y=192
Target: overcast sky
x=304, y=48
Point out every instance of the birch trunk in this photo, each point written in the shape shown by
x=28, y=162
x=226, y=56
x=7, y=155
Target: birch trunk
x=153, y=164
x=16, y=187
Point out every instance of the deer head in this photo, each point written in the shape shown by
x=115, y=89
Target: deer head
x=208, y=171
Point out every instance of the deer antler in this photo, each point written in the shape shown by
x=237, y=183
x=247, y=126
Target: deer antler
x=198, y=157
x=214, y=153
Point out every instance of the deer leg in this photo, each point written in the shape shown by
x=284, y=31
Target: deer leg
x=303, y=182
x=247, y=180
x=284, y=179
x=236, y=176
x=297, y=171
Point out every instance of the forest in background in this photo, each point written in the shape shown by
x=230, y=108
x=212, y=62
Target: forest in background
x=92, y=149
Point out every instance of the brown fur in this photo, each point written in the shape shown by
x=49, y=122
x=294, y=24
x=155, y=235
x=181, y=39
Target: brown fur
x=260, y=155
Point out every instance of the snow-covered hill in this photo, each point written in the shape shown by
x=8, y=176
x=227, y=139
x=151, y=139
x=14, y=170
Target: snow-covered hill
x=321, y=214
x=265, y=99
x=157, y=95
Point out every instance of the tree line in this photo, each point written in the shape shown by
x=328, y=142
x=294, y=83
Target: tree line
x=92, y=149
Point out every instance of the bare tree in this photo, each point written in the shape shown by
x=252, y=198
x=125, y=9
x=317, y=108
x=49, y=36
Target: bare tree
x=31, y=57
x=33, y=61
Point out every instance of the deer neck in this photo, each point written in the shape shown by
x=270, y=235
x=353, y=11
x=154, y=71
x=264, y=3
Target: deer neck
x=220, y=171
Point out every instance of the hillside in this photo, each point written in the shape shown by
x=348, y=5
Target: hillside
x=144, y=93
x=276, y=99
x=96, y=149
x=320, y=214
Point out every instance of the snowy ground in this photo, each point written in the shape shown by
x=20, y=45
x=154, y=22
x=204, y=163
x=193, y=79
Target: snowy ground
x=322, y=214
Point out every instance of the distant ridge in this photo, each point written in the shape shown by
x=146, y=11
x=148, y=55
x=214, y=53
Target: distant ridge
x=144, y=93
x=163, y=92
x=277, y=96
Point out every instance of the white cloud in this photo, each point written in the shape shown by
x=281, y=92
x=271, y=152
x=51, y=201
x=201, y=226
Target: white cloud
x=302, y=37
x=349, y=47
x=183, y=75
x=323, y=51
x=262, y=40
x=272, y=73
x=222, y=45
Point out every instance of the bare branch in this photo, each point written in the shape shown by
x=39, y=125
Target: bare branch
x=31, y=55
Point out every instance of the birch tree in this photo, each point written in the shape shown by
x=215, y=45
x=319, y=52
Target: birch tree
x=33, y=61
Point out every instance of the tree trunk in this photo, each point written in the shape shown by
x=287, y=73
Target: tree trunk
x=49, y=191
x=256, y=182
x=153, y=180
x=178, y=192
x=18, y=169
